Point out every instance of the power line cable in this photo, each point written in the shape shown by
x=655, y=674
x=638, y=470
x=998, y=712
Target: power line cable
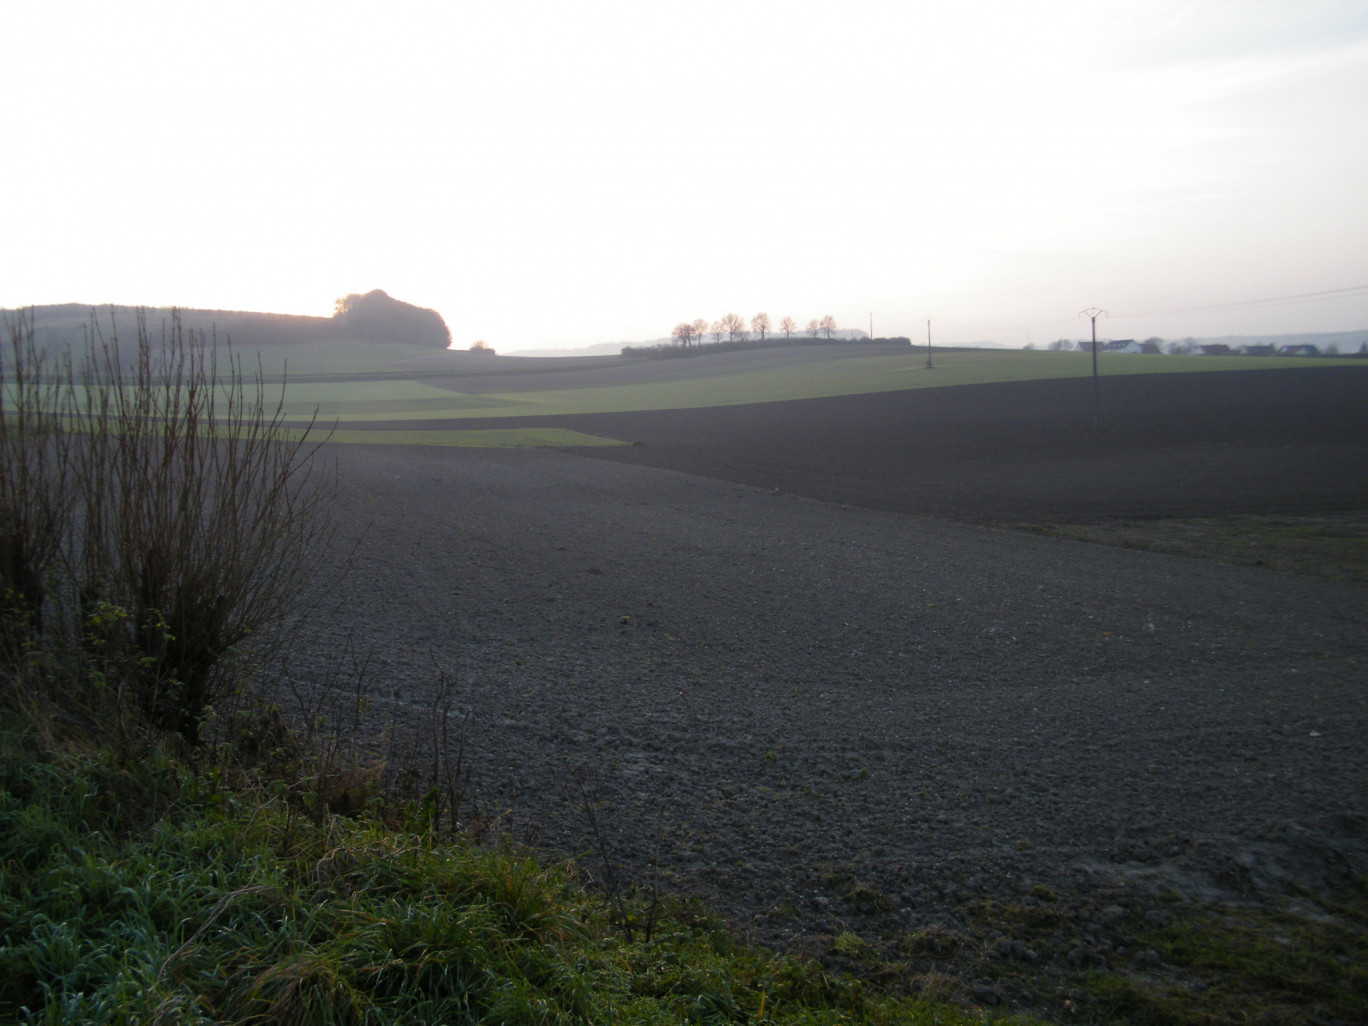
x=1248, y=304
x=1352, y=292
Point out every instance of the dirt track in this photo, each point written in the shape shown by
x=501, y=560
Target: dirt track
x=766, y=692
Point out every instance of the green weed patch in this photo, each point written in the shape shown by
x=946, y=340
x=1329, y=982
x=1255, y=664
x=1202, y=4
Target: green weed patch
x=1302, y=962
x=1327, y=545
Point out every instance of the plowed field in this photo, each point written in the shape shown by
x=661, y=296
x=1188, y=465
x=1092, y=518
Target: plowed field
x=1168, y=445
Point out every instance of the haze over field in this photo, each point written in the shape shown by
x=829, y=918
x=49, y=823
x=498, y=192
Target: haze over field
x=561, y=175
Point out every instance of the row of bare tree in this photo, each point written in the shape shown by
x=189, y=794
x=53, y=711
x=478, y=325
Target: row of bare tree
x=734, y=327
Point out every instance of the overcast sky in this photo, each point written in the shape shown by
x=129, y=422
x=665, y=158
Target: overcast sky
x=565, y=172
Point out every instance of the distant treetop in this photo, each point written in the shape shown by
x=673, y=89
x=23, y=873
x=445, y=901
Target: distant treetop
x=377, y=317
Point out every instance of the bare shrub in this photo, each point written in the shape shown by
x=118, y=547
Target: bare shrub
x=162, y=520
x=35, y=492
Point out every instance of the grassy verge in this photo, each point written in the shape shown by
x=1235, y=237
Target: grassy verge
x=173, y=887
x=166, y=888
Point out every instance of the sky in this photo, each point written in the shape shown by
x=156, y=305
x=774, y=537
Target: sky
x=560, y=173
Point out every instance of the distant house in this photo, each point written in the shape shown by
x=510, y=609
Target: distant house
x=1217, y=349
x=1129, y=345
x=1267, y=350
x=1305, y=349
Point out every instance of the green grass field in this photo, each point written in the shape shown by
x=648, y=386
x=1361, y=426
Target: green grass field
x=351, y=387
x=474, y=438
x=385, y=397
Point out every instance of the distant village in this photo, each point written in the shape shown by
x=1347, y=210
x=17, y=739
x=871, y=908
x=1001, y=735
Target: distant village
x=1192, y=347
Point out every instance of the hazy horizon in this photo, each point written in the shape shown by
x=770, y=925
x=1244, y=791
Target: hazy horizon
x=549, y=176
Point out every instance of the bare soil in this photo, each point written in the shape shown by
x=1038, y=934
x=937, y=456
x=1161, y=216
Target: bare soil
x=785, y=655
x=1188, y=445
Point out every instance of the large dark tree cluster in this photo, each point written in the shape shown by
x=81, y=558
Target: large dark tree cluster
x=378, y=317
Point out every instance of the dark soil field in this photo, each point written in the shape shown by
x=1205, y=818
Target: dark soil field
x=1171, y=445
x=785, y=658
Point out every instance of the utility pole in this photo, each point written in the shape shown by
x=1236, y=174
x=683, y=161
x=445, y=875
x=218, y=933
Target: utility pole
x=1093, y=313
x=928, y=342
x=871, y=323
